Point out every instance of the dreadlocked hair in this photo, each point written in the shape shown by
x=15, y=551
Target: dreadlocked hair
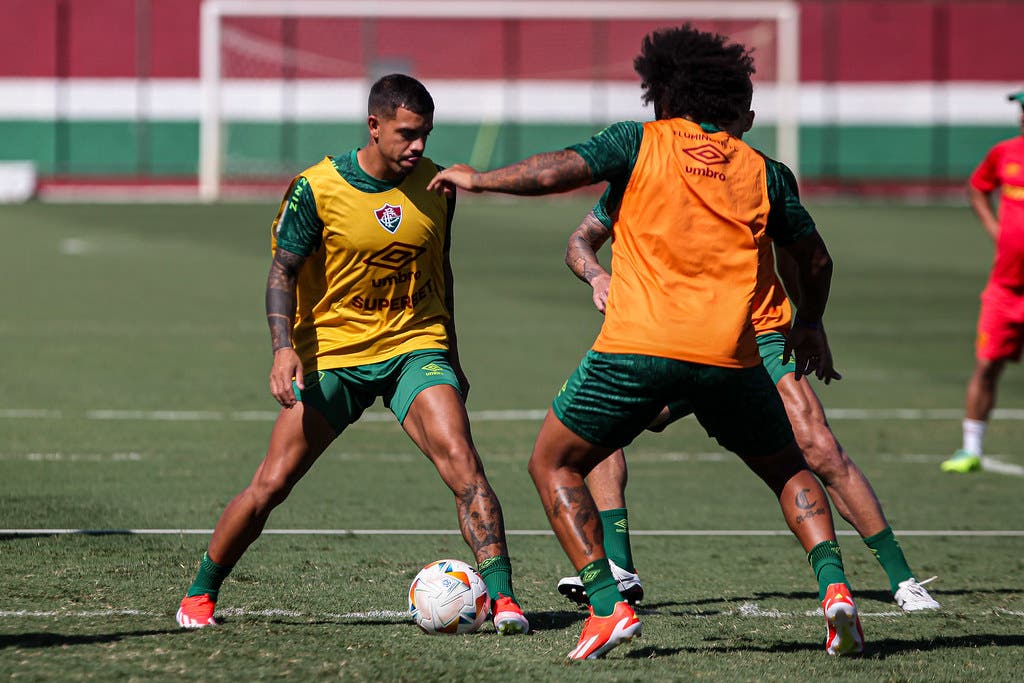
x=691, y=73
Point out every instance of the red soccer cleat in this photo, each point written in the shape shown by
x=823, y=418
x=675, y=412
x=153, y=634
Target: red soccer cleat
x=844, y=635
x=196, y=612
x=509, y=619
x=601, y=634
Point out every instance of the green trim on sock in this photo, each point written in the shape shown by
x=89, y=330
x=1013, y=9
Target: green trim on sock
x=827, y=561
x=889, y=554
x=602, y=591
x=616, y=537
x=497, y=573
x=209, y=578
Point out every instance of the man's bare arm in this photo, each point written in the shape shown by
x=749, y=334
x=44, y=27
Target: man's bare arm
x=814, y=276
x=981, y=203
x=581, y=252
x=280, y=297
x=545, y=173
x=280, y=302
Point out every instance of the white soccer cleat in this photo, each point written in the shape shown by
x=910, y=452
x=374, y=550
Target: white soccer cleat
x=912, y=597
x=629, y=586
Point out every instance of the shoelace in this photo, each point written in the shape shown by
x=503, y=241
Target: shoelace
x=917, y=587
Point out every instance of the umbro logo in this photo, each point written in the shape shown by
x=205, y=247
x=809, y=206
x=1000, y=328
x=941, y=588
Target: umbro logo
x=395, y=256
x=707, y=154
x=432, y=369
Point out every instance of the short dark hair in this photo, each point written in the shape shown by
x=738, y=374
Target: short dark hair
x=398, y=90
x=687, y=72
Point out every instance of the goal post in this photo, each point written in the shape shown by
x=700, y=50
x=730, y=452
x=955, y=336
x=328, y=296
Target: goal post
x=495, y=67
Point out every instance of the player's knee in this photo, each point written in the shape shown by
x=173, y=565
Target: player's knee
x=820, y=449
x=458, y=465
x=266, y=493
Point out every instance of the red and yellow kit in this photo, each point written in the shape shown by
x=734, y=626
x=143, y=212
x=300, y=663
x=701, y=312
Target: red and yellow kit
x=373, y=283
x=1001, y=321
x=1003, y=169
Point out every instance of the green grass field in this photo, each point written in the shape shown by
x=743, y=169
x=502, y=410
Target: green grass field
x=133, y=397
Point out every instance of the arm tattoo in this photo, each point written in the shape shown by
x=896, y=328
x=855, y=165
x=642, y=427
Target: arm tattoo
x=581, y=253
x=543, y=173
x=280, y=297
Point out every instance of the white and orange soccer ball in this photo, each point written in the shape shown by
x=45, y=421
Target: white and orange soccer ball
x=448, y=596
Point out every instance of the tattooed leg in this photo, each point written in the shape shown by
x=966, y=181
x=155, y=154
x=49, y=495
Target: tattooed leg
x=559, y=463
x=481, y=520
x=438, y=424
x=804, y=503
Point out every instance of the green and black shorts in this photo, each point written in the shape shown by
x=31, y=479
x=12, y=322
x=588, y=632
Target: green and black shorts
x=611, y=398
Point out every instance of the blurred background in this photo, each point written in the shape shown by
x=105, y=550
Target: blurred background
x=861, y=96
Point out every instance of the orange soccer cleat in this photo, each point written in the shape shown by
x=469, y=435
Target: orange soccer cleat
x=601, y=634
x=509, y=619
x=196, y=612
x=844, y=635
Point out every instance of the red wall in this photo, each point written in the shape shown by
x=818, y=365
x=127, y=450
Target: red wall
x=844, y=40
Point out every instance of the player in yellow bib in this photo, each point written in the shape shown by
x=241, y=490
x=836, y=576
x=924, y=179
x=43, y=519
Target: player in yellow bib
x=693, y=214
x=360, y=305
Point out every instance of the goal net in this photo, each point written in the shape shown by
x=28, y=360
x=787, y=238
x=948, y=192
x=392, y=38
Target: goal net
x=285, y=81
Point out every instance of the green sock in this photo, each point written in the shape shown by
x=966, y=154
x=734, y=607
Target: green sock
x=602, y=591
x=827, y=562
x=889, y=554
x=616, y=538
x=497, y=573
x=211, y=575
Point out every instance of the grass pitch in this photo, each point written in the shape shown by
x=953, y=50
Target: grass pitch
x=134, y=398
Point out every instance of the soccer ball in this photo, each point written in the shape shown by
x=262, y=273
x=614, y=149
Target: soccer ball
x=448, y=596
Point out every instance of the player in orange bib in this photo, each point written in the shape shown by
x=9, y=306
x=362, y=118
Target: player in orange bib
x=360, y=305
x=845, y=483
x=694, y=207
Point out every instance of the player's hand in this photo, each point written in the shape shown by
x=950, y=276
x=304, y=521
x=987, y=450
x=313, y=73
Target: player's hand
x=286, y=367
x=809, y=346
x=601, y=283
x=457, y=175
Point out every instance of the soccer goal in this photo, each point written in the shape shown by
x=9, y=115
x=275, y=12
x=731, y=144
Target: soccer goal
x=285, y=81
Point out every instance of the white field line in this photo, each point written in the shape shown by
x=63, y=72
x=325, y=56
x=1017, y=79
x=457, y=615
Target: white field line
x=914, y=414
x=989, y=463
x=746, y=610
x=998, y=533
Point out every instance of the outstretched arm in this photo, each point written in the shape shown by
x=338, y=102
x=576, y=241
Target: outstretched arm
x=545, y=173
x=581, y=257
x=280, y=304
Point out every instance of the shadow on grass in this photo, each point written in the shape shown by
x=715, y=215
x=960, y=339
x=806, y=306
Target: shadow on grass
x=728, y=604
x=41, y=640
x=880, y=649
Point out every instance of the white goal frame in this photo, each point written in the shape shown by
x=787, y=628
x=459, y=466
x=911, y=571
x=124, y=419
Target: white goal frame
x=785, y=13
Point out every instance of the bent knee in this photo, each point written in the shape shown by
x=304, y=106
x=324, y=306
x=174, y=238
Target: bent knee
x=268, y=492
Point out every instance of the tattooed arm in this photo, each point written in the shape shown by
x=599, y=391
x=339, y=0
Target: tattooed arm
x=545, y=173
x=581, y=257
x=280, y=303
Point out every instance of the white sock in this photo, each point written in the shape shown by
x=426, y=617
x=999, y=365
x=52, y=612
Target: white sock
x=974, y=432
